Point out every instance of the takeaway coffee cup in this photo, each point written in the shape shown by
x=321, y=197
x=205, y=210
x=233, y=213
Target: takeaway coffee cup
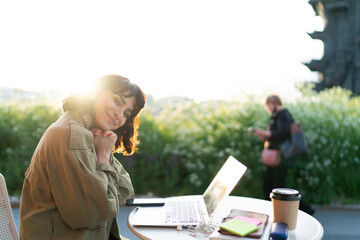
x=285, y=206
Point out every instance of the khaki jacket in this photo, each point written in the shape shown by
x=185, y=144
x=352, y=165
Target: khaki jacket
x=66, y=193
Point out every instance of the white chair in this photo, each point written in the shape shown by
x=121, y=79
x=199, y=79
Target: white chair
x=7, y=223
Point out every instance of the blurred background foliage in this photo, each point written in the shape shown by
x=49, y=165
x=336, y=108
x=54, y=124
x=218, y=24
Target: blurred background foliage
x=184, y=143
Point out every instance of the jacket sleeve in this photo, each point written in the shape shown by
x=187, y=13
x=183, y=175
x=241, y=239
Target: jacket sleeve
x=119, y=177
x=87, y=193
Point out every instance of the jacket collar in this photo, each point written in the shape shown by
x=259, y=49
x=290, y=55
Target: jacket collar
x=84, y=119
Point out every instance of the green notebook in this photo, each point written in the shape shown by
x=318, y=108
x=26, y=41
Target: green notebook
x=238, y=227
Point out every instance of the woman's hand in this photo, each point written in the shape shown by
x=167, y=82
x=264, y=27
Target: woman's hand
x=263, y=135
x=104, y=142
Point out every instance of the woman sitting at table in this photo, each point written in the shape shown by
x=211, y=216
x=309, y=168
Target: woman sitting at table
x=74, y=184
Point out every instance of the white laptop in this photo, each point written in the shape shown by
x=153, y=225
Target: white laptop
x=198, y=208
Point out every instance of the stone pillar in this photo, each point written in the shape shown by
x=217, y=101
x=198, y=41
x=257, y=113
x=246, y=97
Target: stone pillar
x=340, y=65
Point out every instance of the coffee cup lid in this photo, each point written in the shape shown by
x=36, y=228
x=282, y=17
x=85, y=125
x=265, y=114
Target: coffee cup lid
x=285, y=194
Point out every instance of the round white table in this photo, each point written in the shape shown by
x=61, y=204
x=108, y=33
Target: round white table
x=307, y=228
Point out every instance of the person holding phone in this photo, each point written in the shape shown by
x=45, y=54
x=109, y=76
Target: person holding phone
x=276, y=133
x=74, y=185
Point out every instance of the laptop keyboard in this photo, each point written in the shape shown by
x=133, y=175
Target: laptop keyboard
x=183, y=212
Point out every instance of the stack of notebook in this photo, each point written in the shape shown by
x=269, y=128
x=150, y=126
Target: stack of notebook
x=241, y=223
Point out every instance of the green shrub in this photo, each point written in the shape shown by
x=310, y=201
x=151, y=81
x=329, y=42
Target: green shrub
x=200, y=136
x=332, y=126
x=21, y=128
x=184, y=144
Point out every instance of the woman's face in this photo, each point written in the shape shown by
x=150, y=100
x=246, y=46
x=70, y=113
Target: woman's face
x=270, y=107
x=112, y=110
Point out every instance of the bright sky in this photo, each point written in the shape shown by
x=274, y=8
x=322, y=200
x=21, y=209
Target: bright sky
x=202, y=49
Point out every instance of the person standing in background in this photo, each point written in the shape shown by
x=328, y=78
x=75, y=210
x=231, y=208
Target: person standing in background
x=276, y=133
x=74, y=185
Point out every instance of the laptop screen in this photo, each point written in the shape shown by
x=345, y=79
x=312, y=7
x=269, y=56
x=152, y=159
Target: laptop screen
x=223, y=183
